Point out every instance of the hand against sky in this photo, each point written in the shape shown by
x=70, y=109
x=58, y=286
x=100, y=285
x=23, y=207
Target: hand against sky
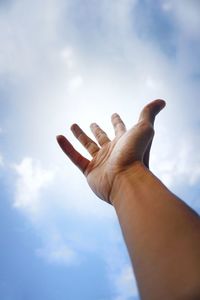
x=110, y=158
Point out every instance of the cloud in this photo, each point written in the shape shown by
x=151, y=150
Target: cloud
x=186, y=14
x=119, y=270
x=57, y=251
x=125, y=284
x=33, y=187
x=57, y=255
x=31, y=183
x=186, y=23
x=181, y=165
x=31, y=180
x=19, y=54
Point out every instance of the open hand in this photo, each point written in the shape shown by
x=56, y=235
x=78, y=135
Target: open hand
x=110, y=158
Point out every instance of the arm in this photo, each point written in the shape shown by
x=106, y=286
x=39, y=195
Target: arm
x=162, y=235
x=161, y=232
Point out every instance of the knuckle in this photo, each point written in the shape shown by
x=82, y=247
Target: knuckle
x=80, y=135
x=98, y=133
x=146, y=110
x=143, y=124
x=88, y=144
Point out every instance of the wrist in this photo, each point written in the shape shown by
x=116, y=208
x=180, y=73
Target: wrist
x=127, y=180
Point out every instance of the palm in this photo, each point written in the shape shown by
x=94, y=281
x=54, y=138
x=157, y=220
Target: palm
x=112, y=157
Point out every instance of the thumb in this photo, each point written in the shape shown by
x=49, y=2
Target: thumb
x=150, y=111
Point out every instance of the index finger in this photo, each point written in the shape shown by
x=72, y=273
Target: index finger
x=80, y=161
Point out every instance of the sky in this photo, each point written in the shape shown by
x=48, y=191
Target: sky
x=66, y=61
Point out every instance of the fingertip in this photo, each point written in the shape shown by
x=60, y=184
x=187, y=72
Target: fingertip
x=163, y=103
x=92, y=125
x=114, y=115
x=150, y=111
x=73, y=126
x=160, y=103
x=59, y=137
x=156, y=106
x=61, y=140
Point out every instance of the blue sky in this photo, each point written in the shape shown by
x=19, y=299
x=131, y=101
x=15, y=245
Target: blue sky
x=79, y=61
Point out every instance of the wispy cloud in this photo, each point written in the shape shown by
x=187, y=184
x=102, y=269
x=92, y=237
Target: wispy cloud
x=31, y=180
x=184, y=168
x=57, y=251
x=61, y=254
x=119, y=271
x=125, y=284
x=186, y=13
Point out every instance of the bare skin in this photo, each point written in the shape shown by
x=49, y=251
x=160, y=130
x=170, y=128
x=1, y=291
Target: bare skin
x=161, y=232
x=110, y=158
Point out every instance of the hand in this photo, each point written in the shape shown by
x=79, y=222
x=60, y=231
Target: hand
x=110, y=158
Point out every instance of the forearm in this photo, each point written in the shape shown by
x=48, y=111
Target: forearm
x=162, y=235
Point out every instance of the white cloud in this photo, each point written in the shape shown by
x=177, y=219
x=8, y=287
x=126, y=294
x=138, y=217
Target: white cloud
x=58, y=255
x=187, y=16
x=119, y=270
x=31, y=179
x=126, y=284
x=57, y=251
x=180, y=164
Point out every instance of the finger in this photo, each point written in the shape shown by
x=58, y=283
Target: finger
x=148, y=114
x=87, y=142
x=80, y=161
x=118, y=124
x=99, y=134
x=150, y=111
